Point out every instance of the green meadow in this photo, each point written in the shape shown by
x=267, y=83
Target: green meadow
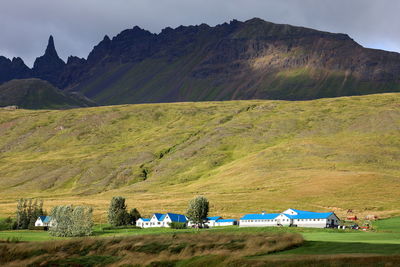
x=321, y=247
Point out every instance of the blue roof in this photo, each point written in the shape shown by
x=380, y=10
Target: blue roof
x=159, y=216
x=227, y=220
x=302, y=211
x=303, y=214
x=213, y=218
x=145, y=219
x=177, y=217
x=310, y=215
x=45, y=219
x=265, y=216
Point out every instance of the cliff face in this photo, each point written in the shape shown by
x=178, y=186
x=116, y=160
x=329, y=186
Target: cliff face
x=50, y=66
x=13, y=69
x=239, y=60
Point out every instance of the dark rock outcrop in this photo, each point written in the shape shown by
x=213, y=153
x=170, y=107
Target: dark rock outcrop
x=13, y=69
x=50, y=66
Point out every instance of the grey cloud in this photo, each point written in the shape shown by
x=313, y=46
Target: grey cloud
x=78, y=25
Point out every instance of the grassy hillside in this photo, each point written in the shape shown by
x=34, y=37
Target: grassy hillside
x=245, y=156
x=39, y=94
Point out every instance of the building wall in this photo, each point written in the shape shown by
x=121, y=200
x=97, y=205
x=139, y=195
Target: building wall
x=257, y=223
x=39, y=223
x=312, y=223
x=224, y=223
x=143, y=224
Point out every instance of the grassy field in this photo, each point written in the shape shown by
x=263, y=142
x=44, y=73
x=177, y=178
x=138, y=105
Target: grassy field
x=144, y=249
x=244, y=156
x=321, y=247
x=388, y=233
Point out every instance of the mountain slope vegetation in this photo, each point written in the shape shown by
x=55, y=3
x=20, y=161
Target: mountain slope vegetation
x=39, y=94
x=245, y=156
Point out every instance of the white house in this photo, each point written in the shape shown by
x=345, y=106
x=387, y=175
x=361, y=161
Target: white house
x=44, y=221
x=143, y=222
x=291, y=217
x=161, y=220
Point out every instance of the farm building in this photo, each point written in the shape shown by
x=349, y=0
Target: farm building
x=44, y=221
x=291, y=217
x=216, y=221
x=161, y=220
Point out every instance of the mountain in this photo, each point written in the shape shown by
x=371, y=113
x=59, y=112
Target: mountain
x=239, y=60
x=13, y=69
x=245, y=156
x=49, y=66
x=254, y=59
x=38, y=94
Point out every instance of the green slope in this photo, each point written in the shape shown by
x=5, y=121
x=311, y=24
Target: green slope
x=246, y=156
x=38, y=94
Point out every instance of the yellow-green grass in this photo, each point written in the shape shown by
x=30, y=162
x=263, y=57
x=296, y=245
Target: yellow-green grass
x=245, y=156
x=138, y=250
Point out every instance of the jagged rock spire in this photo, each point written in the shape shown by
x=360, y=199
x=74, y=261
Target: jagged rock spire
x=49, y=66
x=51, y=49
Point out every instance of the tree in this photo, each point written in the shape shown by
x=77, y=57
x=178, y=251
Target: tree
x=198, y=210
x=27, y=213
x=134, y=216
x=117, y=214
x=69, y=221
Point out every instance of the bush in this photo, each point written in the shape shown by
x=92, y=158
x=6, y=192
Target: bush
x=120, y=227
x=40, y=228
x=177, y=225
x=6, y=224
x=72, y=221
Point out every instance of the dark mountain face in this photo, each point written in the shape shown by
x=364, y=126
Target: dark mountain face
x=236, y=60
x=13, y=69
x=49, y=67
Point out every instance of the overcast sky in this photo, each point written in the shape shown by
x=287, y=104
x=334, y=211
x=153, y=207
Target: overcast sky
x=78, y=25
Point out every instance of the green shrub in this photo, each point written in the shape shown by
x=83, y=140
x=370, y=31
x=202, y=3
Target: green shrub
x=177, y=225
x=120, y=227
x=6, y=224
x=72, y=221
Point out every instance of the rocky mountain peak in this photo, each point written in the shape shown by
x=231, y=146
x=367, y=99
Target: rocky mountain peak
x=51, y=49
x=49, y=66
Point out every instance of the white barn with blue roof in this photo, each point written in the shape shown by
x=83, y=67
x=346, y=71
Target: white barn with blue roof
x=291, y=217
x=303, y=218
x=219, y=221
